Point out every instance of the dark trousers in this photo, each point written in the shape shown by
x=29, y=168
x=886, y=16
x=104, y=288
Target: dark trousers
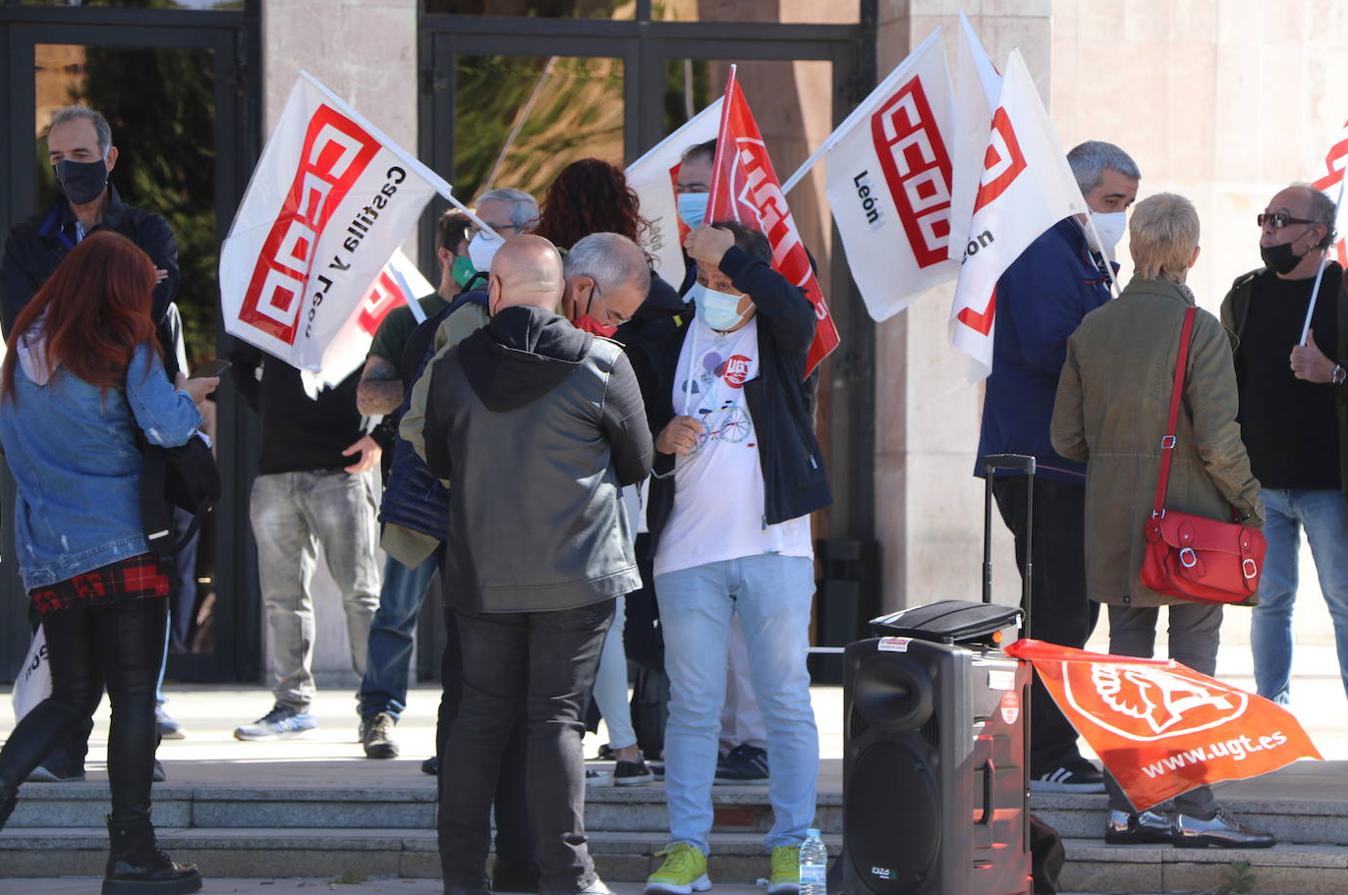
x=545, y=662
x=121, y=646
x=1059, y=612
x=514, y=838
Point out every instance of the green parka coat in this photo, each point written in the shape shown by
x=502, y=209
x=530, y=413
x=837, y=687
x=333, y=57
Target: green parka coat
x=1111, y=411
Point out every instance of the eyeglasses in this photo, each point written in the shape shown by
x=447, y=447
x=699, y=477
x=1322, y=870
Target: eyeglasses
x=1277, y=220
x=611, y=317
x=474, y=230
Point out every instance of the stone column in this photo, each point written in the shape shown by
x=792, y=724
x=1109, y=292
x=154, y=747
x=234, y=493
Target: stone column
x=375, y=71
x=929, y=507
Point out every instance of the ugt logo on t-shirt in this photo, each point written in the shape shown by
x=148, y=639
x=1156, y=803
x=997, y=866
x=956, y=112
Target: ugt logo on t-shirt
x=736, y=371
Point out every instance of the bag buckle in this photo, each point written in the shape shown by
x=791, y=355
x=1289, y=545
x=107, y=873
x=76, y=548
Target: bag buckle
x=1188, y=558
x=1249, y=568
x=1167, y=442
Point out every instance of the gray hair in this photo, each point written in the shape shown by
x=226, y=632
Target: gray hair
x=1322, y=211
x=523, y=207
x=611, y=260
x=1090, y=160
x=101, y=127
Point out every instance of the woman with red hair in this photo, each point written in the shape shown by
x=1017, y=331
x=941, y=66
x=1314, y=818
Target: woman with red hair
x=82, y=382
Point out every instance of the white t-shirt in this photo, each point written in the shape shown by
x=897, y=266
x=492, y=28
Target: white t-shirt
x=718, y=489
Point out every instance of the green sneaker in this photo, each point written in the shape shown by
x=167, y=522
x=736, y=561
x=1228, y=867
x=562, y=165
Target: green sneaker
x=785, y=878
x=683, y=872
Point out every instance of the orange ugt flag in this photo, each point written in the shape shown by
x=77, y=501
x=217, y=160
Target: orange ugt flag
x=745, y=188
x=1160, y=728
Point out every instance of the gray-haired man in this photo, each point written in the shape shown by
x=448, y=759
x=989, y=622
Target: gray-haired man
x=1041, y=299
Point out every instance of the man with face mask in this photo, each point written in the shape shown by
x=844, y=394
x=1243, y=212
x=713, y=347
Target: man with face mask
x=80, y=151
x=1293, y=420
x=383, y=690
x=82, y=156
x=738, y=471
x=1041, y=299
x=692, y=189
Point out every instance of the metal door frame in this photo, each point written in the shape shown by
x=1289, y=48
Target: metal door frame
x=235, y=38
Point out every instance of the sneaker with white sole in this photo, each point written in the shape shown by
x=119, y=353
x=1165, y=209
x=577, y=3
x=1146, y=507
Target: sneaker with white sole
x=280, y=723
x=683, y=872
x=1078, y=776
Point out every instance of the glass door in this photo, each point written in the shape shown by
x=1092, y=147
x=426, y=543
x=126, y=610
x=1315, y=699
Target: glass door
x=182, y=121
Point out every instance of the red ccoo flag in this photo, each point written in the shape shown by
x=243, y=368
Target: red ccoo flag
x=745, y=188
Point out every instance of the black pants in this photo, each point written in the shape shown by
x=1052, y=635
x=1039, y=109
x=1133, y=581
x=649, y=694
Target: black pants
x=66, y=758
x=545, y=663
x=121, y=645
x=514, y=838
x=1059, y=612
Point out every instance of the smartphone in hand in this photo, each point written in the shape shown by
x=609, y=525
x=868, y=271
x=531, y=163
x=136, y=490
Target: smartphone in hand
x=210, y=368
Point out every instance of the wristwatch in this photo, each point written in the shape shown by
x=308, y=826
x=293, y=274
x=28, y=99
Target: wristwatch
x=1338, y=375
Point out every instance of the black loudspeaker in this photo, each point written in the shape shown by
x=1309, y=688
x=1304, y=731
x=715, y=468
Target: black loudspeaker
x=935, y=795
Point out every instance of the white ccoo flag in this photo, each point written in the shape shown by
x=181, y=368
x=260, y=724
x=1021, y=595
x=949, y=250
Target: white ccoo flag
x=329, y=203
x=977, y=89
x=889, y=182
x=652, y=177
x=1026, y=188
x=398, y=283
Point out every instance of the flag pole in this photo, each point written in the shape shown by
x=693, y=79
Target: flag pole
x=1324, y=262
x=720, y=142
x=413, y=305
x=865, y=108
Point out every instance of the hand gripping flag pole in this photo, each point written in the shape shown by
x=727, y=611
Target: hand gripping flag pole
x=1320, y=274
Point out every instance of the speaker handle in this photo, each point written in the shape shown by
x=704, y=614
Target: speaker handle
x=984, y=744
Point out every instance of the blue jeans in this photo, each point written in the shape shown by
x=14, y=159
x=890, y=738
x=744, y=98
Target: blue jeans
x=384, y=687
x=1325, y=518
x=772, y=595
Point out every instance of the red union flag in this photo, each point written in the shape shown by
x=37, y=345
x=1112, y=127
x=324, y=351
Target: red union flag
x=745, y=188
x=1026, y=187
x=1161, y=728
x=889, y=183
x=329, y=202
x=1332, y=182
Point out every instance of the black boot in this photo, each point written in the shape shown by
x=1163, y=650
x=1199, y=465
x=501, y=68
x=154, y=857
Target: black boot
x=8, y=796
x=136, y=866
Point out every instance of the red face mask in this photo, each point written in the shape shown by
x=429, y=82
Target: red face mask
x=588, y=324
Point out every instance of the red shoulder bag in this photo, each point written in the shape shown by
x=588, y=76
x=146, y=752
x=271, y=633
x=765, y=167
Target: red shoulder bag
x=1193, y=557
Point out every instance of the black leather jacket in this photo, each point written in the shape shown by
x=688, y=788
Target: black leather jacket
x=536, y=425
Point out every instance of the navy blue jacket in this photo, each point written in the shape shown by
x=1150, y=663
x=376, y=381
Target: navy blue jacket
x=413, y=497
x=1041, y=300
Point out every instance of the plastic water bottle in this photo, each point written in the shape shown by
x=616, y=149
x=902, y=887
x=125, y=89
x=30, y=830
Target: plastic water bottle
x=813, y=864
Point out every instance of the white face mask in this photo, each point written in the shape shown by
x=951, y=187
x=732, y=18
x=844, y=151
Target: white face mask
x=482, y=248
x=1111, y=226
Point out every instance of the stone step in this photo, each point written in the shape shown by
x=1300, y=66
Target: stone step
x=737, y=859
x=294, y=851
x=1083, y=817
x=1284, y=870
x=608, y=808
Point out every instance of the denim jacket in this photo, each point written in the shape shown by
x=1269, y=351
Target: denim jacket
x=72, y=450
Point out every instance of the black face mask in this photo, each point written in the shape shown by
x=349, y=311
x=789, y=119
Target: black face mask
x=82, y=182
x=1280, y=258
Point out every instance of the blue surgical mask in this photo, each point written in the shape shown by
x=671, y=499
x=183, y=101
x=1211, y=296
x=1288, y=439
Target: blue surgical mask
x=693, y=208
x=719, y=310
